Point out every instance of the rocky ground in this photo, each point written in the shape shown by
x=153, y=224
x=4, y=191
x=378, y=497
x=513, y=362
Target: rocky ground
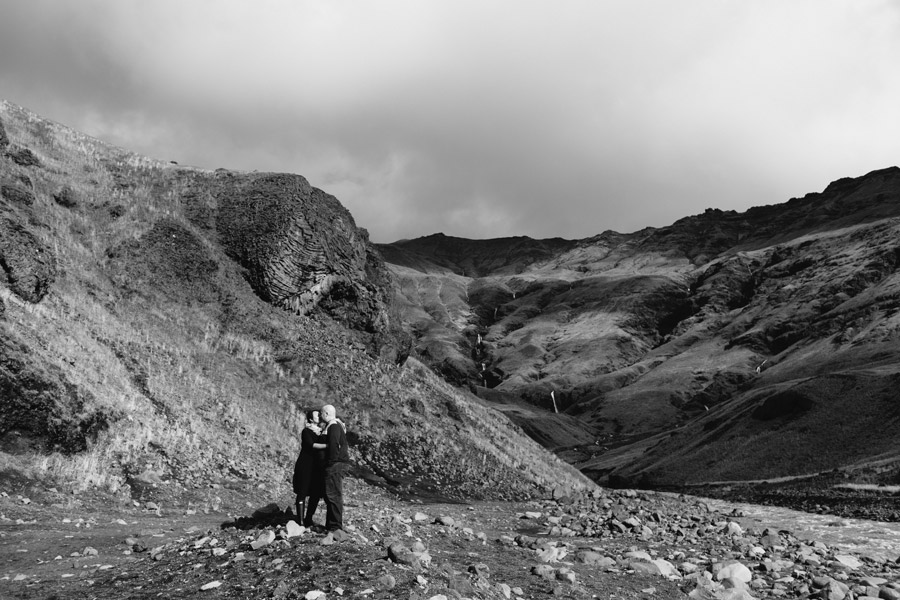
x=231, y=542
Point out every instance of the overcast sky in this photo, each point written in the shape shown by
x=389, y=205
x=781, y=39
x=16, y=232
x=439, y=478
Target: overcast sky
x=485, y=118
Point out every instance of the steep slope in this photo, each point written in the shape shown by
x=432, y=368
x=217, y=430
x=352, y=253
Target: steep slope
x=165, y=324
x=695, y=325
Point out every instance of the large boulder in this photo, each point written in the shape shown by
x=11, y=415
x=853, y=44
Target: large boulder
x=302, y=250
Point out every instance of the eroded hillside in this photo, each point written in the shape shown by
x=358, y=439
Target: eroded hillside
x=727, y=346
x=164, y=325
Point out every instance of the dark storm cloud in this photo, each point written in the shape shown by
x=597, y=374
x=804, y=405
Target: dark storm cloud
x=481, y=119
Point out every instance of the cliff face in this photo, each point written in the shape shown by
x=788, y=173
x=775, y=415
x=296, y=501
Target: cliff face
x=666, y=335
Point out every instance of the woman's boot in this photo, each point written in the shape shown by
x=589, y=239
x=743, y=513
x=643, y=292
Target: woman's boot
x=300, y=506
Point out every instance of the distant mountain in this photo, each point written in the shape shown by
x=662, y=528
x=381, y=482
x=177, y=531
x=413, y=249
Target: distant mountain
x=727, y=346
x=165, y=325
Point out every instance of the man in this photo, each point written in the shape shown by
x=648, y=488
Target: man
x=337, y=459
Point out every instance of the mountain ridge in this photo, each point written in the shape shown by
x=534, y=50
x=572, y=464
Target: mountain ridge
x=641, y=334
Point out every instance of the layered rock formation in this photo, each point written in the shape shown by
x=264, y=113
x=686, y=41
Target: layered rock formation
x=302, y=250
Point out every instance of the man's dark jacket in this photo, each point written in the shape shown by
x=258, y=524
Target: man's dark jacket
x=336, y=451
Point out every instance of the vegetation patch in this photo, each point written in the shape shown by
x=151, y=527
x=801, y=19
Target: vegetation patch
x=41, y=410
x=168, y=259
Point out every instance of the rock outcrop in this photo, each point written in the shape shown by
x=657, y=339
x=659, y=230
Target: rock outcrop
x=302, y=251
x=23, y=156
x=27, y=264
x=16, y=194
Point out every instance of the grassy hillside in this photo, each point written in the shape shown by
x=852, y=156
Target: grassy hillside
x=135, y=346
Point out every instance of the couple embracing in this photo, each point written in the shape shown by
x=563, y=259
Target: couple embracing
x=319, y=470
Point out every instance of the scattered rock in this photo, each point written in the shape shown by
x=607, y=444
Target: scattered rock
x=647, y=568
x=849, y=561
x=293, y=529
x=887, y=593
x=544, y=571
x=734, y=570
x=589, y=557
x=387, y=582
x=399, y=553
x=264, y=539
x=666, y=569
x=210, y=586
x=734, y=529
x=339, y=535
x=445, y=521
x=282, y=589
x=549, y=553
x=559, y=493
x=66, y=197
x=835, y=590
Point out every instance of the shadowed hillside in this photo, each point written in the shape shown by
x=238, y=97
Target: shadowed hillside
x=165, y=325
x=727, y=346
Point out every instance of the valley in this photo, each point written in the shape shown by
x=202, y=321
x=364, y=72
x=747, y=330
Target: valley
x=727, y=346
x=163, y=326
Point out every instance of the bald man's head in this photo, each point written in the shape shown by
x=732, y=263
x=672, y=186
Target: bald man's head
x=328, y=413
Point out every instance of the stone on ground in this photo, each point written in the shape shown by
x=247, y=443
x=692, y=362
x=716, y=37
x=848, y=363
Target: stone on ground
x=264, y=539
x=294, y=529
x=734, y=570
x=849, y=561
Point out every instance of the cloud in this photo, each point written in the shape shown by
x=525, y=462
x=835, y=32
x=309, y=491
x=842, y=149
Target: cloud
x=481, y=119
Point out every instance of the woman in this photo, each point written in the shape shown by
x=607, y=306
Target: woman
x=309, y=470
